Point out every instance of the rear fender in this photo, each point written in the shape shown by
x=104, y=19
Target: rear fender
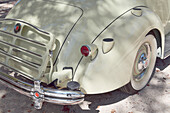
x=113, y=70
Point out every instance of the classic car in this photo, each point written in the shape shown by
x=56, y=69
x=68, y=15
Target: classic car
x=58, y=51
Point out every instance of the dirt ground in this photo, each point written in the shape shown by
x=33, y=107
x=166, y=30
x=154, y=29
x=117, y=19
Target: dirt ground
x=155, y=98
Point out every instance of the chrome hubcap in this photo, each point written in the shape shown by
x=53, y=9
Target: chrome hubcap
x=142, y=62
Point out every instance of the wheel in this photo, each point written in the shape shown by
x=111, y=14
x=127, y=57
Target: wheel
x=144, y=66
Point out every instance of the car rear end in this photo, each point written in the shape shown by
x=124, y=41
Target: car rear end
x=26, y=53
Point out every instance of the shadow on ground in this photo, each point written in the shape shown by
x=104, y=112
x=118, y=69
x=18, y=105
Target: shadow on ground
x=14, y=102
x=11, y=101
x=162, y=63
x=104, y=99
x=95, y=100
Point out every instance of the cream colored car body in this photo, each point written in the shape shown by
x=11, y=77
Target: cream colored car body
x=74, y=23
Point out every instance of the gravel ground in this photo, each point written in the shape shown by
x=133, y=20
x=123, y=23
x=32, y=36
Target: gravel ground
x=155, y=98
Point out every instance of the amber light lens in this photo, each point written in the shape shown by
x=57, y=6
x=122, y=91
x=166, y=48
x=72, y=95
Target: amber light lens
x=85, y=51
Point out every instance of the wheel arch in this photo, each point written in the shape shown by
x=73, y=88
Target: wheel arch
x=159, y=39
x=92, y=75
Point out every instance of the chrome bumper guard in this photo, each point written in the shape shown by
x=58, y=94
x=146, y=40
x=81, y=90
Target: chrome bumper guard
x=38, y=93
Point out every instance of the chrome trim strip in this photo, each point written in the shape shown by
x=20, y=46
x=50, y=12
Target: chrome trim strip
x=62, y=97
x=15, y=88
x=64, y=94
x=64, y=102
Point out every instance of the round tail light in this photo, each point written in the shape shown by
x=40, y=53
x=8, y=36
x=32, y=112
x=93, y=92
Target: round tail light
x=85, y=50
x=17, y=27
x=37, y=95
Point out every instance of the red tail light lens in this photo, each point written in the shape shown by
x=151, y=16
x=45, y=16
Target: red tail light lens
x=85, y=51
x=17, y=27
x=36, y=94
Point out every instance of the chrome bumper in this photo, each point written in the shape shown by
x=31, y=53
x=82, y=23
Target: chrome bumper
x=38, y=93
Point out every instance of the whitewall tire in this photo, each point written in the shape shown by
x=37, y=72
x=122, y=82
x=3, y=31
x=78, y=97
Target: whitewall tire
x=144, y=65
